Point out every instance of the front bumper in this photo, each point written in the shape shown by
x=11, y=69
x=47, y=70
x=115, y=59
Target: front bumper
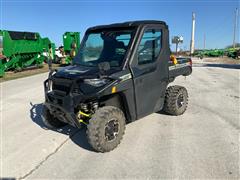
x=63, y=96
x=61, y=106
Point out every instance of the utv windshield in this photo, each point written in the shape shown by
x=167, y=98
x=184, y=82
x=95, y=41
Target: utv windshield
x=104, y=46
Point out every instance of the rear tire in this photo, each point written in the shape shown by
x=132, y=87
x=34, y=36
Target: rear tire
x=49, y=120
x=106, y=128
x=176, y=100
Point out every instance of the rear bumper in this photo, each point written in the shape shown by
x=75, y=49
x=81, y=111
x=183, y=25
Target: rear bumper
x=183, y=67
x=178, y=71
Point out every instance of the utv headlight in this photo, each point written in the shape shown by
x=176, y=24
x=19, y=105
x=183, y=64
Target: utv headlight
x=96, y=82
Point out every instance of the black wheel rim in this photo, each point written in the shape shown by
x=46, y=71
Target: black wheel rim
x=180, y=101
x=111, y=129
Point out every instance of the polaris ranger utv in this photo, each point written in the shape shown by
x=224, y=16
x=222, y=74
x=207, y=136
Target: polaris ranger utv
x=120, y=74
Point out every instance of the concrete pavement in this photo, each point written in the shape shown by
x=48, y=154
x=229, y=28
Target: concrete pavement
x=202, y=143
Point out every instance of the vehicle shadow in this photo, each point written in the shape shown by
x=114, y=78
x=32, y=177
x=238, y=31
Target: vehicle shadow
x=230, y=66
x=78, y=136
x=162, y=112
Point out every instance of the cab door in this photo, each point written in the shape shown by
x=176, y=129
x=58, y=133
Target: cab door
x=150, y=69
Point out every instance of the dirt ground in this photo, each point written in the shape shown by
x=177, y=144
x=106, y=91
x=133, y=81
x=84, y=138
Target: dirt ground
x=10, y=75
x=220, y=60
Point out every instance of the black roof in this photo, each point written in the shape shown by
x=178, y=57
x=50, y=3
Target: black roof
x=128, y=24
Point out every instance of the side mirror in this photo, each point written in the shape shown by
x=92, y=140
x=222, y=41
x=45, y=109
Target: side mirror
x=103, y=67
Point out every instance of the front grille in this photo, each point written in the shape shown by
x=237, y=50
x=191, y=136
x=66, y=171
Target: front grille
x=61, y=86
x=76, y=90
x=55, y=100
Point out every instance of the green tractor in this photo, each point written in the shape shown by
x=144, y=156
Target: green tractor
x=19, y=50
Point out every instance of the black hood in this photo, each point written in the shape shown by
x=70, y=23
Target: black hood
x=82, y=72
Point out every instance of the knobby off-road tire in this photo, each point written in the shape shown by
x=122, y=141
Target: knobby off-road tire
x=176, y=100
x=99, y=132
x=49, y=120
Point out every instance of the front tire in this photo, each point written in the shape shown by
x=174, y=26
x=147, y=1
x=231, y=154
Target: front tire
x=49, y=120
x=176, y=100
x=106, y=128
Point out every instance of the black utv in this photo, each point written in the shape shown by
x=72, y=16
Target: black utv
x=120, y=74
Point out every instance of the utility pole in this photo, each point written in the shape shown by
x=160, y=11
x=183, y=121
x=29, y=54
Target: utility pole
x=193, y=34
x=235, y=28
x=204, y=41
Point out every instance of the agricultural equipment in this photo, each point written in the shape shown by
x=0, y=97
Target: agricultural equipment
x=210, y=53
x=71, y=44
x=233, y=53
x=215, y=53
x=230, y=52
x=19, y=50
x=48, y=49
x=121, y=74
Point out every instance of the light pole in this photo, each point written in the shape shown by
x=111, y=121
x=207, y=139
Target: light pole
x=235, y=28
x=193, y=34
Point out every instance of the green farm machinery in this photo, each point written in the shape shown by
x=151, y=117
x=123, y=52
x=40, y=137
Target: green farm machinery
x=233, y=53
x=48, y=48
x=230, y=52
x=19, y=50
x=209, y=53
x=71, y=44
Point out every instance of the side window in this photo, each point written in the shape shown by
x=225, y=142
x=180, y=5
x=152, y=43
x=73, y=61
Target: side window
x=150, y=46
